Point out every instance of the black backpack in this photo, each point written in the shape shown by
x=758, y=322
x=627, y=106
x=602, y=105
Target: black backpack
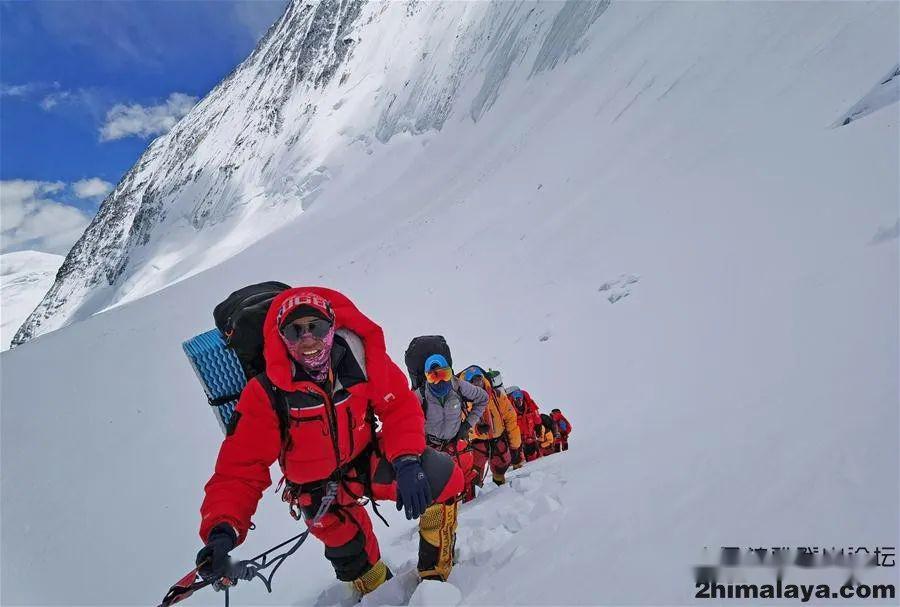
x=420, y=348
x=549, y=424
x=240, y=318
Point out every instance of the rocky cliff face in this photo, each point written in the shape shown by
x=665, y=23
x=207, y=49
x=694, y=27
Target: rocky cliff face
x=328, y=82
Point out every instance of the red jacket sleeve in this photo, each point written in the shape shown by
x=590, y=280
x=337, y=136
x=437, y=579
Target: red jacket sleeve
x=242, y=468
x=402, y=419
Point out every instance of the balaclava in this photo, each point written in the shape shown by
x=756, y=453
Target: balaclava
x=309, y=304
x=436, y=361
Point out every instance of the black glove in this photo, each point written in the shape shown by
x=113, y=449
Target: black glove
x=413, y=489
x=516, y=456
x=463, y=433
x=213, y=560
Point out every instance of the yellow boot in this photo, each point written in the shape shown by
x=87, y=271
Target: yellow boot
x=499, y=479
x=437, y=537
x=372, y=579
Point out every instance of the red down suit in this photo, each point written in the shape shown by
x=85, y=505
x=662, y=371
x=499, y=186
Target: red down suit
x=327, y=432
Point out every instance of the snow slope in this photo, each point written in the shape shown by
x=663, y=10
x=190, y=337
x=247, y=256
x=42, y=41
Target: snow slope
x=25, y=277
x=744, y=393
x=331, y=79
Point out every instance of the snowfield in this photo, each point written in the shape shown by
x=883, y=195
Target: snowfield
x=25, y=277
x=741, y=390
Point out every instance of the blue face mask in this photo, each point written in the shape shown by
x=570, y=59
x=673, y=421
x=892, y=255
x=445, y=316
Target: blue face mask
x=440, y=389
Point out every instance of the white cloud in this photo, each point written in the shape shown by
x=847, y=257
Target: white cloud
x=93, y=101
x=53, y=99
x=92, y=188
x=50, y=96
x=31, y=219
x=28, y=89
x=145, y=121
x=16, y=90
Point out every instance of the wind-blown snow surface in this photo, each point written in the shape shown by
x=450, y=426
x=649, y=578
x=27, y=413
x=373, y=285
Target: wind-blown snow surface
x=25, y=277
x=745, y=393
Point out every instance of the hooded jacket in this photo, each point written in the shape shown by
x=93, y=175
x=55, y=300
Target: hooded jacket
x=564, y=425
x=327, y=427
x=528, y=419
x=499, y=417
x=444, y=415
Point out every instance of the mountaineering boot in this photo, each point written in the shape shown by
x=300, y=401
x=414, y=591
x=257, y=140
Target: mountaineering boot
x=437, y=537
x=499, y=479
x=372, y=579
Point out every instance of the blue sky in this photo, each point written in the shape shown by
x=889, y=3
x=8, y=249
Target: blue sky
x=85, y=85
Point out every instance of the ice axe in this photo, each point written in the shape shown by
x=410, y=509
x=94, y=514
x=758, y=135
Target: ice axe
x=242, y=570
x=249, y=569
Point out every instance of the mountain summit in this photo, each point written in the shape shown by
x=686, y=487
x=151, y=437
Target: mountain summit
x=330, y=80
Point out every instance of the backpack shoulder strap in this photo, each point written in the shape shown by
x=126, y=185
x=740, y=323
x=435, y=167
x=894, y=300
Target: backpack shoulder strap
x=454, y=382
x=279, y=403
x=268, y=387
x=421, y=390
x=464, y=409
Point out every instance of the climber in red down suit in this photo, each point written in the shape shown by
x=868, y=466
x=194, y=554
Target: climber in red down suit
x=327, y=377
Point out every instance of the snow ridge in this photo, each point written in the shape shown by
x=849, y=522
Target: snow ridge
x=190, y=177
x=328, y=78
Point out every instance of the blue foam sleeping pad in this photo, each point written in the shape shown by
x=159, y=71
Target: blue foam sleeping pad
x=218, y=369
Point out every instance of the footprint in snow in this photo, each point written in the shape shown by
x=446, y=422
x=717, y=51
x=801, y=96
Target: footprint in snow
x=398, y=590
x=337, y=595
x=617, y=295
x=487, y=538
x=430, y=593
x=619, y=288
x=407, y=536
x=886, y=234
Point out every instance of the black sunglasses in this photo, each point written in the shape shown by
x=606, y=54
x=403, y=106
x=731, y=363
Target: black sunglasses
x=317, y=328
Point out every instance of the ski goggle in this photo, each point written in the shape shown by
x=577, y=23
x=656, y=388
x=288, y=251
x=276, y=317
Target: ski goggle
x=474, y=376
x=438, y=375
x=295, y=331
